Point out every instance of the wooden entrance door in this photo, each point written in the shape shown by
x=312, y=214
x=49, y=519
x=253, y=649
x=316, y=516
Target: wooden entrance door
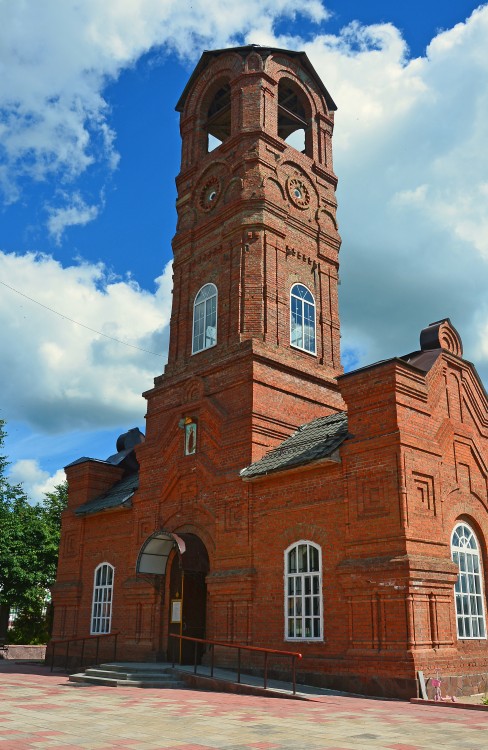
x=189, y=587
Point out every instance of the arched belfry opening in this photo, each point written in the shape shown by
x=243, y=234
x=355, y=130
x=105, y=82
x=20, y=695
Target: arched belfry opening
x=188, y=569
x=293, y=124
x=218, y=124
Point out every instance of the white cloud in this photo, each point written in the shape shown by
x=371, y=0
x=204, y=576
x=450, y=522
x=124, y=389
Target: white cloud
x=410, y=151
x=75, y=212
x=35, y=481
x=56, y=58
x=57, y=375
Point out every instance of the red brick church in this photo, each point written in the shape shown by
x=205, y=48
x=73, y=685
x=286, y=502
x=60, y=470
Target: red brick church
x=283, y=503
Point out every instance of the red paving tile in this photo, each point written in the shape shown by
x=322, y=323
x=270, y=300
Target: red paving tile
x=258, y=723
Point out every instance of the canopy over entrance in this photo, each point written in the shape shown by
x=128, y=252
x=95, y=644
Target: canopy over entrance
x=154, y=553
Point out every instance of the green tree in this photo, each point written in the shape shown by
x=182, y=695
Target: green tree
x=29, y=541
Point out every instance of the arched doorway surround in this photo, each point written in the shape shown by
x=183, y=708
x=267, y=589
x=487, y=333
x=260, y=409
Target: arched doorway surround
x=186, y=608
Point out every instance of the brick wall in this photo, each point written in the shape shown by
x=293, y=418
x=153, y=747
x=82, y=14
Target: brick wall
x=414, y=463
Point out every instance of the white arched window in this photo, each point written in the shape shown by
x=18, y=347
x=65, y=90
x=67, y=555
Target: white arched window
x=302, y=318
x=303, y=592
x=468, y=590
x=103, y=584
x=205, y=318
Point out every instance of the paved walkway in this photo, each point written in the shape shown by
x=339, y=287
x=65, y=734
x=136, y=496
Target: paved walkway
x=39, y=711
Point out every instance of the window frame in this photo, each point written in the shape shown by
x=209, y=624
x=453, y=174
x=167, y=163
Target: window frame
x=97, y=620
x=216, y=296
x=313, y=351
x=461, y=597
x=303, y=594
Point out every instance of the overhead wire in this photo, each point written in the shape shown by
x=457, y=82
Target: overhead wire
x=77, y=322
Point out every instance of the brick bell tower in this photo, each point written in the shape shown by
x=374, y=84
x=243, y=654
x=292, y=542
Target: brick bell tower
x=254, y=333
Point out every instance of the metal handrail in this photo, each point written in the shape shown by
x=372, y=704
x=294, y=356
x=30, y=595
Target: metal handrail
x=69, y=641
x=294, y=655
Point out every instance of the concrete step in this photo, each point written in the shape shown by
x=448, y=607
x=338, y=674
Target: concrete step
x=122, y=675
x=137, y=667
x=129, y=674
x=85, y=679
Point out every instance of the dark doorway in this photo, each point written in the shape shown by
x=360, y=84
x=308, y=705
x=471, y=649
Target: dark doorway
x=188, y=598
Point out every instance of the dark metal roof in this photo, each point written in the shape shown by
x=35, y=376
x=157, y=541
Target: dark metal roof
x=125, y=456
x=209, y=55
x=119, y=495
x=313, y=441
x=423, y=360
x=83, y=460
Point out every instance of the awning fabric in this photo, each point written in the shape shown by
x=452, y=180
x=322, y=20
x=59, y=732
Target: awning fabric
x=155, y=551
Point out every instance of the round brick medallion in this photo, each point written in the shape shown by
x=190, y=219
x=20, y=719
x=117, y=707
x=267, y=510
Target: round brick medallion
x=209, y=194
x=298, y=192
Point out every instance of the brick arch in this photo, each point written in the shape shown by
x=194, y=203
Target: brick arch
x=254, y=62
x=307, y=531
x=481, y=536
x=224, y=67
x=468, y=508
x=202, y=526
x=290, y=82
x=308, y=98
x=325, y=218
x=459, y=503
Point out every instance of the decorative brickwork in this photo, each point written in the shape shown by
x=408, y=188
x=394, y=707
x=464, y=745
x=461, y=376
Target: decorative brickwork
x=379, y=499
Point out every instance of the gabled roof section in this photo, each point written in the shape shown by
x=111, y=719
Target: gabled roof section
x=437, y=337
x=209, y=55
x=313, y=441
x=119, y=495
x=125, y=456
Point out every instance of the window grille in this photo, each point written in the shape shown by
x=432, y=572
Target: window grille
x=468, y=590
x=303, y=592
x=302, y=318
x=205, y=319
x=102, y=599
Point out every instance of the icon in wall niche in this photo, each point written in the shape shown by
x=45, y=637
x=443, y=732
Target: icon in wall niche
x=190, y=436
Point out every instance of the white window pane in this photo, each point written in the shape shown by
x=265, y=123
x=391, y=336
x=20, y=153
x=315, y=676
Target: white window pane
x=102, y=599
x=292, y=561
x=302, y=558
x=205, y=318
x=303, y=592
x=468, y=590
x=302, y=318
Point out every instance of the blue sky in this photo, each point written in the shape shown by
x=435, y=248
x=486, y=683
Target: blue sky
x=89, y=151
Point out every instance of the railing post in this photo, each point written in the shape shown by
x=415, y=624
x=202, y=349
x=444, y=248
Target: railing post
x=238, y=665
x=212, y=648
x=173, y=649
x=195, y=658
x=265, y=669
x=294, y=673
x=52, y=655
x=97, y=648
